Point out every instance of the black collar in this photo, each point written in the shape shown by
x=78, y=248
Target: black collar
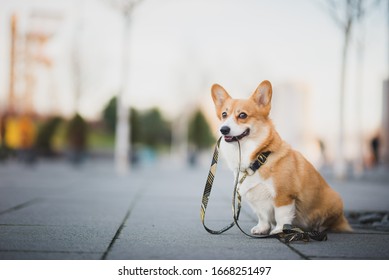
x=259, y=161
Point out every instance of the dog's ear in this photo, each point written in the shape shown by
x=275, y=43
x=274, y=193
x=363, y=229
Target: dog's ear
x=219, y=96
x=262, y=96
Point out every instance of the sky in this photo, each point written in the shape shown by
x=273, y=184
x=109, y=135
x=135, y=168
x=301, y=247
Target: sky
x=179, y=48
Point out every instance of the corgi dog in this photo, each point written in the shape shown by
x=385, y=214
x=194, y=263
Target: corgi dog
x=286, y=189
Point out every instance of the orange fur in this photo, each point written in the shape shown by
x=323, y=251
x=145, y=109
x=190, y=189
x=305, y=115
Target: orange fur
x=295, y=181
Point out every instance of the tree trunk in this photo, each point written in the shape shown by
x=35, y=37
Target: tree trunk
x=340, y=164
x=122, y=143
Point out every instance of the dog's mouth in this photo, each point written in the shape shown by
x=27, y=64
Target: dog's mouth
x=228, y=138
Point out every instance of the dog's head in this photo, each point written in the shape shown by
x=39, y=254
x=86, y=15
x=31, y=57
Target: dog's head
x=242, y=118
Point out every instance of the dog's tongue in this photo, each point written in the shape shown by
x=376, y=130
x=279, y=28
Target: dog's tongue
x=229, y=138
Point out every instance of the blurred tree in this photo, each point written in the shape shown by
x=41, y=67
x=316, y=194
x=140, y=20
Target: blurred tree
x=77, y=132
x=154, y=129
x=77, y=137
x=109, y=114
x=44, y=140
x=136, y=137
x=200, y=134
x=110, y=118
x=148, y=128
x=5, y=151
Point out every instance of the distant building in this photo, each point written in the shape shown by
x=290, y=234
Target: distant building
x=291, y=116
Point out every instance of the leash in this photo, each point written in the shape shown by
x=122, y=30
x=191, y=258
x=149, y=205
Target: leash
x=208, y=189
x=289, y=232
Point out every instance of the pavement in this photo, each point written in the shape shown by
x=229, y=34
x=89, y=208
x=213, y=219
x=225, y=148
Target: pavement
x=54, y=210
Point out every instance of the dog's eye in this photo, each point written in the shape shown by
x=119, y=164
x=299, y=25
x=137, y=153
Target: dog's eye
x=242, y=116
x=224, y=115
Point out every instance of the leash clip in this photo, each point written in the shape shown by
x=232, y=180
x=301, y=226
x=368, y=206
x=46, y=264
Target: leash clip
x=245, y=173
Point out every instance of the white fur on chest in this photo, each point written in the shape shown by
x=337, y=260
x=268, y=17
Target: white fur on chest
x=264, y=188
x=230, y=152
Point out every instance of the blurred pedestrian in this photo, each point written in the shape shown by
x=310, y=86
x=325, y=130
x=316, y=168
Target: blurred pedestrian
x=375, y=148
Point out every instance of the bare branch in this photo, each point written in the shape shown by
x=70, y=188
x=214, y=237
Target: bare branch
x=333, y=8
x=345, y=12
x=124, y=6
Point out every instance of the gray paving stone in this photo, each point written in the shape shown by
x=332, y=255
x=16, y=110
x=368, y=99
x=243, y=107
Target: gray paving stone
x=74, y=211
x=364, y=246
x=26, y=255
x=189, y=241
x=55, y=238
x=165, y=224
x=362, y=195
x=56, y=211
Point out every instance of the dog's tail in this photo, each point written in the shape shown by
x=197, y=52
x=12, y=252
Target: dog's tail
x=341, y=225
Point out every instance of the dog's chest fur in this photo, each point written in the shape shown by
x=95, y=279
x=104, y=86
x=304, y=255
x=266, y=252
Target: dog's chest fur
x=264, y=188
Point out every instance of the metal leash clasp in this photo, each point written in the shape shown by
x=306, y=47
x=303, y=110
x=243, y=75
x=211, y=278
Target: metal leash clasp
x=245, y=174
x=262, y=158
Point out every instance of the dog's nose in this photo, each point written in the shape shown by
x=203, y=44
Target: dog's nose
x=225, y=130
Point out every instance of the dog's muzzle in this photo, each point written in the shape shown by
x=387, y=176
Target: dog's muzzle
x=228, y=138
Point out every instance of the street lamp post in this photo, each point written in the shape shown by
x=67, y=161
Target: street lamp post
x=122, y=143
x=123, y=130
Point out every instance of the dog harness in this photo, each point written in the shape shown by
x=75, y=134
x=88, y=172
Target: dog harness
x=289, y=232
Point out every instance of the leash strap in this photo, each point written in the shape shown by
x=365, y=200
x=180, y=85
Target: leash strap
x=208, y=189
x=289, y=233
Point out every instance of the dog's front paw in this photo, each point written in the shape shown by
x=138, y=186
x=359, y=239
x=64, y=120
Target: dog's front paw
x=260, y=229
x=276, y=230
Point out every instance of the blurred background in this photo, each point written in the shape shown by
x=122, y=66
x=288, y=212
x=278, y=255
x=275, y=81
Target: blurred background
x=129, y=80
